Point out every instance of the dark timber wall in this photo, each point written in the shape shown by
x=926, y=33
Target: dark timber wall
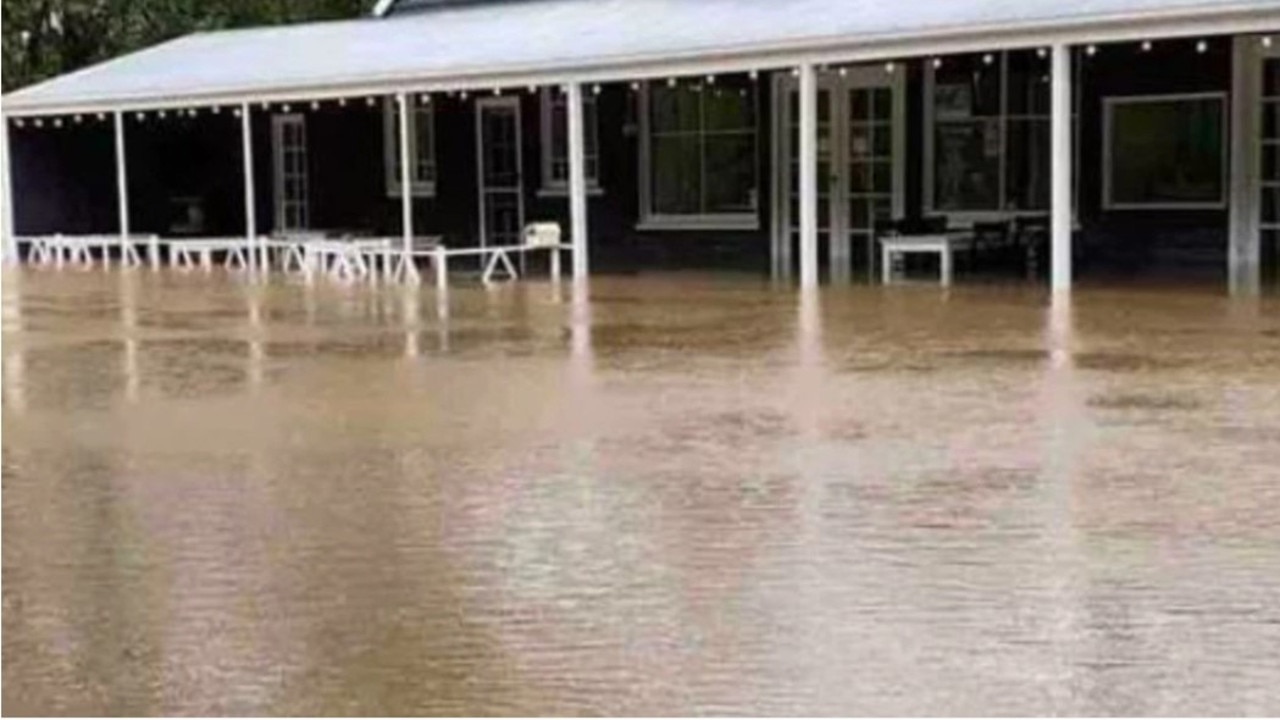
x=65, y=177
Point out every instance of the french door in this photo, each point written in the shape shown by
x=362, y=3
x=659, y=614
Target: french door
x=501, y=176
x=289, y=156
x=1269, y=184
x=861, y=170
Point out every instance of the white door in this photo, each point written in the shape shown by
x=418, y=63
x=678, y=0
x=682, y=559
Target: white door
x=289, y=151
x=501, y=175
x=861, y=164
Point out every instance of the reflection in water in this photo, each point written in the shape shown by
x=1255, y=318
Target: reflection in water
x=647, y=495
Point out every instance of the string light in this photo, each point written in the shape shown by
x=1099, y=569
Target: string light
x=17, y=122
x=57, y=122
x=1266, y=41
x=595, y=90
x=795, y=72
x=937, y=63
x=39, y=122
x=216, y=109
x=161, y=114
x=1202, y=47
x=988, y=59
x=266, y=106
x=102, y=116
x=635, y=87
x=425, y=98
x=236, y=112
x=754, y=75
x=497, y=92
x=286, y=107
x=889, y=67
x=844, y=72
x=369, y=101
x=315, y=104
x=1091, y=50
x=533, y=89
x=140, y=116
x=671, y=82
x=79, y=119
x=1042, y=53
x=1146, y=46
x=711, y=79
x=463, y=94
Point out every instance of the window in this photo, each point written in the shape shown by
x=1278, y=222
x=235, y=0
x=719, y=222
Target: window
x=987, y=147
x=555, y=141
x=422, y=146
x=698, y=155
x=1165, y=152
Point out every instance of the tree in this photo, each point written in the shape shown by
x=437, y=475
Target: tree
x=44, y=38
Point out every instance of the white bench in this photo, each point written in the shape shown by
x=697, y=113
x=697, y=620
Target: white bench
x=944, y=245
x=59, y=249
x=187, y=253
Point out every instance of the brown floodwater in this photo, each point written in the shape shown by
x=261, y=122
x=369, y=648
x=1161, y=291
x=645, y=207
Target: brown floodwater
x=682, y=494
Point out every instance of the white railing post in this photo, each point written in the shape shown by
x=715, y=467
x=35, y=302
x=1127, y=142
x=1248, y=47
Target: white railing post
x=808, y=169
x=122, y=189
x=1061, y=170
x=577, y=181
x=9, y=243
x=1244, y=251
x=406, y=190
x=250, y=204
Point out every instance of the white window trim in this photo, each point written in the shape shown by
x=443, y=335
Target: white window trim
x=390, y=140
x=551, y=188
x=649, y=220
x=966, y=217
x=1108, y=109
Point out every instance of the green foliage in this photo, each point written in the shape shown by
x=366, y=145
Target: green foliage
x=43, y=38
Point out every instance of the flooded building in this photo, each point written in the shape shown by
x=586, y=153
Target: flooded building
x=1113, y=138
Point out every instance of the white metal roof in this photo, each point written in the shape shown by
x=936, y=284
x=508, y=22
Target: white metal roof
x=516, y=43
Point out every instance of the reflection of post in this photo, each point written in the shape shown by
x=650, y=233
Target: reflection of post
x=580, y=353
x=410, y=306
x=15, y=395
x=257, y=350
x=1064, y=428
x=129, y=330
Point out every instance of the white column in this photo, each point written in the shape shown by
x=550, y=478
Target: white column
x=122, y=187
x=808, y=168
x=1244, y=254
x=9, y=242
x=406, y=190
x=1061, y=170
x=250, y=205
x=577, y=181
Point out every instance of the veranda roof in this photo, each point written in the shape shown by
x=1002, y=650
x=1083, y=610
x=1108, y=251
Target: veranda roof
x=539, y=41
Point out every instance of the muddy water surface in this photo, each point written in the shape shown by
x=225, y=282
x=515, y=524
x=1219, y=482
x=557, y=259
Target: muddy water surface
x=682, y=494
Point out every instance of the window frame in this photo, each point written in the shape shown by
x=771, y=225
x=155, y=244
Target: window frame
x=550, y=187
x=1004, y=119
x=651, y=220
x=1109, y=104
x=390, y=141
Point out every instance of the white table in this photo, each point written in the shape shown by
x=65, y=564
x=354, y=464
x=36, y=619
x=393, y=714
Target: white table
x=944, y=245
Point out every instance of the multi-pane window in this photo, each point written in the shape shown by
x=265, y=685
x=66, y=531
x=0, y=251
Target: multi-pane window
x=1271, y=167
x=700, y=152
x=555, y=140
x=1165, y=151
x=989, y=141
x=422, y=146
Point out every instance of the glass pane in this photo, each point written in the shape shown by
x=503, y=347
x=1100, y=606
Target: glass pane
x=1271, y=206
x=1167, y=152
x=859, y=104
x=676, y=175
x=860, y=178
x=1027, y=182
x=731, y=178
x=967, y=165
x=860, y=141
x=1271, y=77
x=1028, y=83
x=1271, y=120
x=966, y=87
x=675, y=109
x=730, y=105
x=883, y=107
x=882, y=177
x=1271, y=162
x=882, y=144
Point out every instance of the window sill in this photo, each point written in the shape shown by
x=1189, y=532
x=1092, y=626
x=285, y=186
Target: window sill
x=559, y=192
x=699, y=223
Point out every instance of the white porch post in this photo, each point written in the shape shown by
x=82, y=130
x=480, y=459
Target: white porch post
x=250, y=205
x=808, y=162
x=1244, y=254
x=122, y=189
x=577, y=181
x=406, y=191
x=1061, y=170
x=9, y=243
